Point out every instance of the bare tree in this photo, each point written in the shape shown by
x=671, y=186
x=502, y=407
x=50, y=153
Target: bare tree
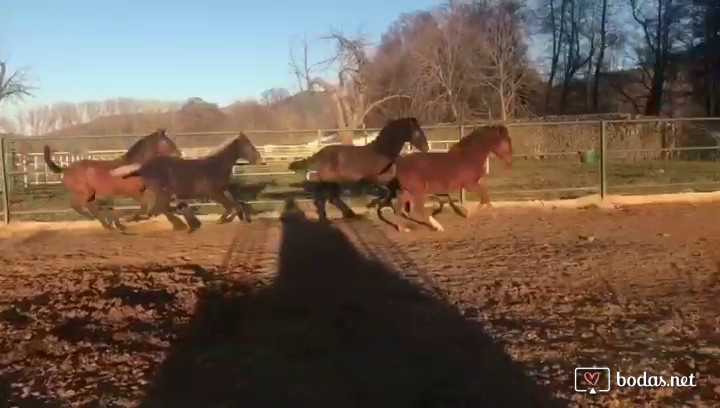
x=601, y=55
x=37, y=121
x=301, y=67
x=7, y=125
x=274, y=95
x=351, y=93
x=91, y=110
x=659, y=20
x=502, y=46
x=554, y=24
x=13, y=84
x=448, y=57
x=68, y=114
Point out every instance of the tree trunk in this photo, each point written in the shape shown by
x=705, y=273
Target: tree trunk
x=600, y=59
x=556, y=47
x=654, y=103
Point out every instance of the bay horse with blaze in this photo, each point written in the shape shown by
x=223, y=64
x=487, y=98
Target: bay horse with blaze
x=185, y=179
x=89, y=180
x=462, y=167
x=334, y=164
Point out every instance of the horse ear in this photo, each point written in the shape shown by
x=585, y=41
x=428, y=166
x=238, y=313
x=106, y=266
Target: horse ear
x=165, y=144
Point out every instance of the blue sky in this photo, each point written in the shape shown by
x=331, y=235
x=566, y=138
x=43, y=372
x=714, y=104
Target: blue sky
x=220, y=50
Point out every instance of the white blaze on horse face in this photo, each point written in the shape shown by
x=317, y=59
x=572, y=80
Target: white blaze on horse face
x=310, y=175
x=435, y=224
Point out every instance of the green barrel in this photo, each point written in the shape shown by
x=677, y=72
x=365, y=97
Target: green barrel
x=591, y=156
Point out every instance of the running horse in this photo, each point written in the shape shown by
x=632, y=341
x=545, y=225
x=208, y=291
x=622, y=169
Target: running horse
x=208, y=176
x=463, y=166
x=334, y=164
x=89, y=180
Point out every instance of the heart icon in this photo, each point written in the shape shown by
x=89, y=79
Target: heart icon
x=592, y=378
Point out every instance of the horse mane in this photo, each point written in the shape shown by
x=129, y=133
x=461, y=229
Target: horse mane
x=221, y=149
x=140, y=144
x=394, y=124
x=383, y=139
x=481, y=136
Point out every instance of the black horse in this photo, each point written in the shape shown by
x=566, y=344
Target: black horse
x=370, y=163
x=208, y=176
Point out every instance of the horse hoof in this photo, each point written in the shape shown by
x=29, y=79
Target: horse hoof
x=400, y=228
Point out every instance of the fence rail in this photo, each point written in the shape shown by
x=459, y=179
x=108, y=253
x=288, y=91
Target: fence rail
x=559, y=159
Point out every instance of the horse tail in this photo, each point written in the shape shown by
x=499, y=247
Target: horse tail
x=126, y=171
x=49, y=162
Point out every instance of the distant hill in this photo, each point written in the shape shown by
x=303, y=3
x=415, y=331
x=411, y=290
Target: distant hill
x=305, y=110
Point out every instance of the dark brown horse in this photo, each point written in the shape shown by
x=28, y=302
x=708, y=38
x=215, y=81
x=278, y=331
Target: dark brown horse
x=462, y=166
x=89, y=180
x=347, y=163
x=193, y=178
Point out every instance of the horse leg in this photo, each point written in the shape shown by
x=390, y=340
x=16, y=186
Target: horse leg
x=403, y=208
x=458, y=208
x=320, y=200
x=441, y=205
x=398, y=209
x=243, y=210
x=94, y=209
x=382, y=202
x=161, y=205
x=138, y=215
x=419, y=207
x=190, y=218
x=111, y=216
x=77, y=205
x=335, y=199
x=222, y=199
x=481, y=188
x=114, y=219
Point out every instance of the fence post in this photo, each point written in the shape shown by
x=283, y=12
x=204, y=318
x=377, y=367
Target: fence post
x=5, y=182
x=603, y=161
x=461, y=132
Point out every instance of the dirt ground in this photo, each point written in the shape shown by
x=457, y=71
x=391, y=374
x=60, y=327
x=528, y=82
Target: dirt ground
x=497, y=311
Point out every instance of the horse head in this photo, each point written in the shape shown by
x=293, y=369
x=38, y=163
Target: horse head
x=417, y=136
x=246, y=150
x=482, y=141
x=153, y=145
x=500, y=143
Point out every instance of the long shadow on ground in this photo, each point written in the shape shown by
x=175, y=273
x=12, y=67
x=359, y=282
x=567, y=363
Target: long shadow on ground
x=335, y=330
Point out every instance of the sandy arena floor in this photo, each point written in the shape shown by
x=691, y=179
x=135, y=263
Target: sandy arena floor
x=496, y=311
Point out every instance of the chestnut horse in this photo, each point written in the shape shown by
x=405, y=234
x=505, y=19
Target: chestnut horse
x=89, y=180
x=347, y=163
x=462, y=166
x=208, y=176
